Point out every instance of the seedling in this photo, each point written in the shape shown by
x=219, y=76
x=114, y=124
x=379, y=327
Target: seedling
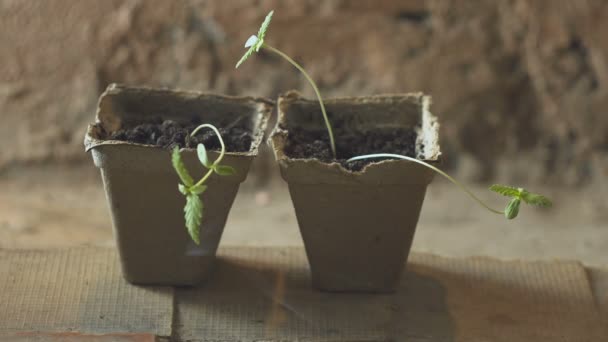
x=193, y=211
x=256, y=42
x=517, y=195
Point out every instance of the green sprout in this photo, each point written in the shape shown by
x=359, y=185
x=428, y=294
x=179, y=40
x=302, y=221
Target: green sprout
x=517, y=194
x=256, y=42
x=193, y=211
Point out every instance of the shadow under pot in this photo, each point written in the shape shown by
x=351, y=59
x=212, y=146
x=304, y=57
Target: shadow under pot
x=131, y=143
x=357, y=221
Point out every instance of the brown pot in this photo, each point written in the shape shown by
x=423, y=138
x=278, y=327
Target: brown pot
x=141, y=184
x=357, y=226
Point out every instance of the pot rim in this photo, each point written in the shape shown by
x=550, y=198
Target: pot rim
x=429, y=127
x=263, y=108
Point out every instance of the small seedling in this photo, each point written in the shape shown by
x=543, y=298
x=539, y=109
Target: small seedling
x=193, y=211
x=517, y=195
x=256, y=42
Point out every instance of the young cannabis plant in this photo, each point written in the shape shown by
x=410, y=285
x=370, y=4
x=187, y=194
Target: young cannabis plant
x=193, y=211
x=255, y=43
x=517, y=194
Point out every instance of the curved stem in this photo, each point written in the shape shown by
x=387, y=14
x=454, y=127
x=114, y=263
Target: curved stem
x=390, y=155
x=314, y=87
x=222, y=151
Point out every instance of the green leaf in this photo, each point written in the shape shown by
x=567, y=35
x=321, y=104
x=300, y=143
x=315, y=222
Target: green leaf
x=194, y=215
x=201, y=151
x=197, y=190
x=512, y=208
x=180, y=168
x=263, y=29
x=224, y=170
x=536, y=199
x=505, y=190
x=256, y=44
x=245, y=56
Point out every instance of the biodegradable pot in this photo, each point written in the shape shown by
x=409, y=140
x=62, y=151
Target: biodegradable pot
x=141, y=184
x=357, y=227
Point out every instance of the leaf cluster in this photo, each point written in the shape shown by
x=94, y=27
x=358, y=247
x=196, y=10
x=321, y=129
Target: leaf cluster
x=517, y=196
x=193, y=211
x=255, y=42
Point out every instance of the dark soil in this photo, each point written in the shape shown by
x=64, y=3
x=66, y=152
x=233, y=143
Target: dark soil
x=315, y=144
x=168, y=134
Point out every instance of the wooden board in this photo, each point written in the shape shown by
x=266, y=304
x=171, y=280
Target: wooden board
x=77, y=289
x=264, y=294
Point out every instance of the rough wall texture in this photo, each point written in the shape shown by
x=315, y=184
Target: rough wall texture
x=521, y=87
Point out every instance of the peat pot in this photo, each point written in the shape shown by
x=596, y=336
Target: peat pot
x=357, y=227
x=146, y=207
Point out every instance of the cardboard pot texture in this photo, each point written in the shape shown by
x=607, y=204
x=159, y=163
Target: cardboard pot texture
x=141, y=184
x=357, y=227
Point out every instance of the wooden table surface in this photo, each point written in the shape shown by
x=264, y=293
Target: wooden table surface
x=263, y=294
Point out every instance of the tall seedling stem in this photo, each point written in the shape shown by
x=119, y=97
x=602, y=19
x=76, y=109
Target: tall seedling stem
x=255, y=43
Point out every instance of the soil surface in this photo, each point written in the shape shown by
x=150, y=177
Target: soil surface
x=169, y=134
x=315, y=144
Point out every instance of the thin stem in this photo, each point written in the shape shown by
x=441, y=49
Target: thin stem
x=314, y=86
x=222, y=151
x=467, y=191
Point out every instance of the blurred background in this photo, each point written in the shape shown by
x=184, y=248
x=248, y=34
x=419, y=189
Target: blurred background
x=520, y=89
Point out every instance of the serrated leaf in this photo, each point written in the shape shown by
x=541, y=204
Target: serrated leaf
x=201, y=151
x=197, y=190
x=505, y=190
x=180, y=168
x=512, y=208
x=193, y=212
x=245, y=56
x=536, y=199
x=224, y=170
x=263, y=29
